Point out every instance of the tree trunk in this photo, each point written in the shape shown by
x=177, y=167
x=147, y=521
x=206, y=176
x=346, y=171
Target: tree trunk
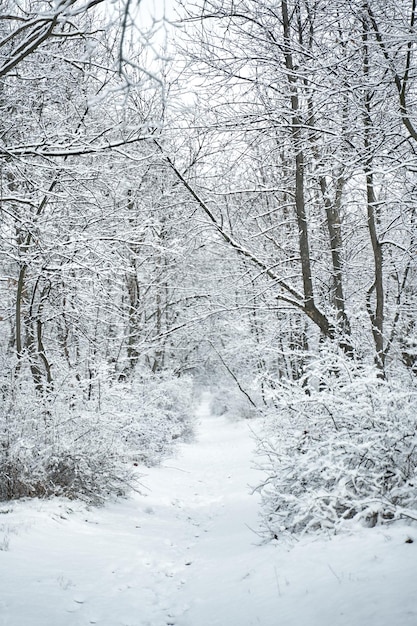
x=376, y=312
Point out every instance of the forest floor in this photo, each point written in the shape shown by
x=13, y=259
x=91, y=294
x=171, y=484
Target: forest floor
x=184, y=553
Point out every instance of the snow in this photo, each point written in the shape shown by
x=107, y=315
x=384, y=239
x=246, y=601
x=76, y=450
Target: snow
x=184, y=552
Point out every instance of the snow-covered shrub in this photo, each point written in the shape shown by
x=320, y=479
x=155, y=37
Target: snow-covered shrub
x=62, y=444
x=341, y=446
x=229, y=401
x=153, y=412
x=46, y=450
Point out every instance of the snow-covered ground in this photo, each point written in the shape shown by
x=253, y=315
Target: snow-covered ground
x=184, y=554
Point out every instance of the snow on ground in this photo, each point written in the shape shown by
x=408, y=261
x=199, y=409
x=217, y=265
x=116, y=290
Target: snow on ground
x=184, y=554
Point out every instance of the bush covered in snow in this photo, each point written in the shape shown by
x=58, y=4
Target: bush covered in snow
x=228, y=400
x=88, y=450
x=47, y=449
x=342, y=445
x=152, y=413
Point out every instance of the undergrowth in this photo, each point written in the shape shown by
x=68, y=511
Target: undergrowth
x=339, y=448
x=89, y=450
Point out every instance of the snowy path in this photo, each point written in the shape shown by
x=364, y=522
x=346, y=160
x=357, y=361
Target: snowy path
x=184, y=555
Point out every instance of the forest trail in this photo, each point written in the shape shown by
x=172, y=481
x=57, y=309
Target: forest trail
x=171, y=556
x=183, y=554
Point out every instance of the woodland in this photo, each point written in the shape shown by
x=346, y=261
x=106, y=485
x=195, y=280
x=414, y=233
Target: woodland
x=221, y=195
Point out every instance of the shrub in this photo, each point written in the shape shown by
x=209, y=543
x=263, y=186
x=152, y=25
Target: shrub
x=338, y=451
x=153, y=413
x=55, y=453
x=52, y=447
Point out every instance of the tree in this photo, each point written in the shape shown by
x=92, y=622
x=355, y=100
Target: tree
x=80, y=221
x=30, y=27
x=306, y=83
